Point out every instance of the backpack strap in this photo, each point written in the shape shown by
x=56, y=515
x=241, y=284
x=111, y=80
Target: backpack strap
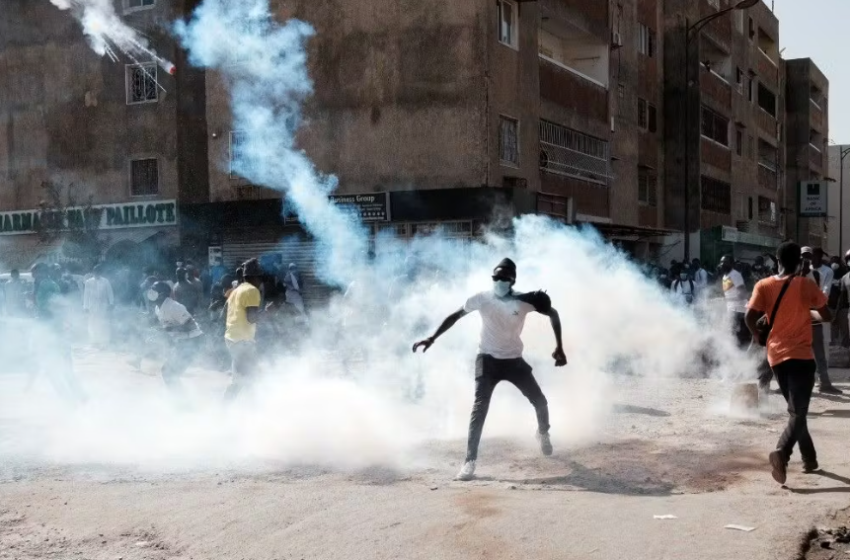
x=772, y=317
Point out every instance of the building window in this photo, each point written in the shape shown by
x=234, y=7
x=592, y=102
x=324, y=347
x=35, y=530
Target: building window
x=238, y=163
x=715, y=126
x=646, y=41
x=647, y=194
x=642, y=117
x=739, y=142
x=739, y=78
x=568, y=152
x=508, y=28
x=144, y=177
x=142, y=86
x=752, y=29
x=767, y=211
x=750, y=88
x=653, y=119
x=508, y=141
x=135, y=5
x=767, y=100
x=716, y=195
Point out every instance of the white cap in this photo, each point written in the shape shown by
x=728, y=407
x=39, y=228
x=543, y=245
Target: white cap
x=805, y=250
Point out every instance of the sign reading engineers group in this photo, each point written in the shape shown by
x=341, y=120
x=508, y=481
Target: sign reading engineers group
x=105, y=216
x=373, y=207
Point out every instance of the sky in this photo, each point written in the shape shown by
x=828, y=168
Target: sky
x=817, y=29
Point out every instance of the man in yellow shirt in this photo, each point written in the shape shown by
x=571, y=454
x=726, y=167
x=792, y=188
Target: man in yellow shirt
x=243, y=309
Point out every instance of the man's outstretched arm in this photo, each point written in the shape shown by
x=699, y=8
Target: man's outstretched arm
x=447, y=323
x=558, y=354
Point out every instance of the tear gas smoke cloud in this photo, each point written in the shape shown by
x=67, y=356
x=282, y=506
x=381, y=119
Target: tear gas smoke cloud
x=107, y=32
x=352, y=394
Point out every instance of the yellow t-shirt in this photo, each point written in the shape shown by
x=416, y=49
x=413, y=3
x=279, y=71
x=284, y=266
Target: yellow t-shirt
x=239, y=329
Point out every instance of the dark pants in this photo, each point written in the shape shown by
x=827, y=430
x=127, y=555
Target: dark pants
x=489, y=371
x=819, y=349
x=796, y=381
x=765, y=374
x=741, y=331
x=179, y=359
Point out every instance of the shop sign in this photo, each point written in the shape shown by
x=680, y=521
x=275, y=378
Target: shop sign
x=370, y=208
x=154, y=213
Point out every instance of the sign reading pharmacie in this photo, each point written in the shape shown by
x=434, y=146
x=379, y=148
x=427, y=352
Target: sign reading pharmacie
x=152, y=213
x=374, y=207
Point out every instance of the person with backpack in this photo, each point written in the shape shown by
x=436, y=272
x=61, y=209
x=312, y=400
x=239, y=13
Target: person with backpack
x=684, y=287
x=783, y=303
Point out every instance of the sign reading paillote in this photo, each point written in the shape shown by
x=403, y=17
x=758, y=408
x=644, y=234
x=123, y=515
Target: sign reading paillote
x=812, y=199
x=105, y=216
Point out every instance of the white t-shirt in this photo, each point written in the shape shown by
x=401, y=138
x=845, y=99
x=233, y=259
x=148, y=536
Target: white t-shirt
x=826, y=276
x=174, y=314
x=502, y=320
x=736, y=299
x=701, y=278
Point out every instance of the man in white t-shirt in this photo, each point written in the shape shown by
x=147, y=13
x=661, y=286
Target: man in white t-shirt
x=503, y=313
x=735, y=292
x=183, y=331
x=700, y=275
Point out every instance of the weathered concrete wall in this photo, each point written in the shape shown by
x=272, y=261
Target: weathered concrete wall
x=64, y=116
x=400, y=96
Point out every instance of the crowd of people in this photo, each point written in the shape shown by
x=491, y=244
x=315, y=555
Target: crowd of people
x=188, y=315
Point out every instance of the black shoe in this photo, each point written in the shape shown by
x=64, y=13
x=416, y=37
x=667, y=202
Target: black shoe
x=830, y=390
x=779, y=472
x=810, y=466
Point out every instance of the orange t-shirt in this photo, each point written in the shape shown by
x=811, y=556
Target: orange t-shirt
x=791, y=337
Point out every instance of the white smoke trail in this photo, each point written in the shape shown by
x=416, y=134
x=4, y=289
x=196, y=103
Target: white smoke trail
x=353, y=394
x=107, y=32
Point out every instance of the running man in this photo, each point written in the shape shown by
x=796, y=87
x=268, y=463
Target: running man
x=184, y=332
x=503, y=313
x=789, y=350
x=243, y=310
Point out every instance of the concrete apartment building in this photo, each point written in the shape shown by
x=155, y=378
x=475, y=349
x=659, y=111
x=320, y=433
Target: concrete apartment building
x=105, y=134
x=838, y=241
x=458, y=114
x=733, y=131
x=807, y=115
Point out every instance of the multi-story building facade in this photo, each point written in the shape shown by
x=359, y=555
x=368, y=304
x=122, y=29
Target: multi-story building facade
x=729, y=151
x=458, y=113
x=807, y=115
x=124, y=141
x=838, y=241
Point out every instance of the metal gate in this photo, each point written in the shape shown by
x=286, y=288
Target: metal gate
x=293, y=247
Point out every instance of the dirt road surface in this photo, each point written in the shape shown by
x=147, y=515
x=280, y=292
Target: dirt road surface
x=665, y=452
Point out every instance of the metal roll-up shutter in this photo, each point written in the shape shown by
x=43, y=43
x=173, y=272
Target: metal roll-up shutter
x=293, y=246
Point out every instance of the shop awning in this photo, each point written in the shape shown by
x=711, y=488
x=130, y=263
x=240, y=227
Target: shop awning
x=629, y=233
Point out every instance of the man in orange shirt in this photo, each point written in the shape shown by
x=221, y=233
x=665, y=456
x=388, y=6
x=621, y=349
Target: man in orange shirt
x=789, y=350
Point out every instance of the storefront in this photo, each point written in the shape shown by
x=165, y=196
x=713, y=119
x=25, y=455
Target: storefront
x=84, y=235
x=743, y=246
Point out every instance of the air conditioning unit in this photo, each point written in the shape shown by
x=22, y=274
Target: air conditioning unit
x=616, y=39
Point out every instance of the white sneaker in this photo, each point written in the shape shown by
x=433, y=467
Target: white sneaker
x=545, y=443
x=467, y=471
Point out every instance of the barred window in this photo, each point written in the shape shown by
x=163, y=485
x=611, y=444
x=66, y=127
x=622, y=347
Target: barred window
x=716, y=195
x=139, y=4
x=508, y=141
x=647, y=194
x=238, y=161
x=715, y=126
x=569, y=152
x=767, y=210
x=142, y=84
x=144, y=177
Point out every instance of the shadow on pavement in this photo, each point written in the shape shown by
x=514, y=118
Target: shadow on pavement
x=631, y=409
x=831, y=490
x=831, y=413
